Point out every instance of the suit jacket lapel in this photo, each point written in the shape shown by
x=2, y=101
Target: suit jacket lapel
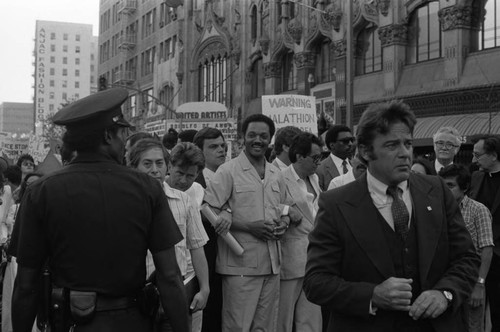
x=428, y=222
x=331, y=168
x=361, y=216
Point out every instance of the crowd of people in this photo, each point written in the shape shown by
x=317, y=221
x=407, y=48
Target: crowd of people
x=345, y=232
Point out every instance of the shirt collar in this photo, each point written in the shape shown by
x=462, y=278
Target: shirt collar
x=338, y=162
x=379, y=189
x=171, y=192
x=438, y=165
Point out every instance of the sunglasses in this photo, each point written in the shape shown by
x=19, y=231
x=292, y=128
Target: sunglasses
x=347, y=140
x=316, y=158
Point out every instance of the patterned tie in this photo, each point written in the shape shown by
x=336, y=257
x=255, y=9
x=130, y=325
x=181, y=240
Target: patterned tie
x=344, y=166
x=399, y=211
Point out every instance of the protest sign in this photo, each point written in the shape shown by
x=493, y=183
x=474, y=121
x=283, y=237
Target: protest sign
x=291, y=110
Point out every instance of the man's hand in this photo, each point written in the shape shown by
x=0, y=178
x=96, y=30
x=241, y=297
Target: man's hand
x=477, y=296
x=429, y=304
x=262, y=229
x=393, y=294
x=281, y=226
x=199, y=301
x=295, y=215
x=223, y=222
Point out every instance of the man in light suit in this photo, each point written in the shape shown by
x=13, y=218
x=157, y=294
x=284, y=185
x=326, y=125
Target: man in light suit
x=390, y=251
x=485, y=185
x=284, y=137
x=340, y=142
x=303, y=189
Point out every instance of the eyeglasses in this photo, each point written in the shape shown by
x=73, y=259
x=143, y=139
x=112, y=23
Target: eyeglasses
x=477, y=156
x=316, y=158
x=448, y=145
x=347, y=140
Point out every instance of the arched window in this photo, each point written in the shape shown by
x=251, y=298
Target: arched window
x=258, y=80
x=370, y=51
x=324, y=62
x=253, y=16
x=424, y=34
x=487, y=24
x=212, y=79
x=288, y=75
x=279, y=14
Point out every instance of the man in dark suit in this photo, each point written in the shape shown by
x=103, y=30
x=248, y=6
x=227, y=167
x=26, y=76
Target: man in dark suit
x=485, y=185
x=340, y=142
x=212, y=143
x=390, y=251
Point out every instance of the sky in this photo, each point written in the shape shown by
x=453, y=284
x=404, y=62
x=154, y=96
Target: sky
x=17, y=32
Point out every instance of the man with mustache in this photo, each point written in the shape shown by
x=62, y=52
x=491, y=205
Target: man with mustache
x=390, y=251
x=253, y=190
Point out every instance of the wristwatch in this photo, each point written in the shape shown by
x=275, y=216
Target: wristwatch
x=481, y=281
x=448, y=296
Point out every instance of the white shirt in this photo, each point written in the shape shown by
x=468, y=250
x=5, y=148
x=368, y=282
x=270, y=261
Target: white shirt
x=208, y=175
x=312, y=200
x=338, y=163
x=197, y=193
x=341, y=180
x=383, y=202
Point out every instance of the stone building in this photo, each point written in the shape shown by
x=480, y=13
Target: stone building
x=438, y=56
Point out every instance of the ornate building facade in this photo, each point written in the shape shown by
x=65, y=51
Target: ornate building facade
x=438, y=56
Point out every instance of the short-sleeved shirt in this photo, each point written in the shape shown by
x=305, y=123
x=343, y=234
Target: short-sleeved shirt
x=477, y=218
x=187, y=215
x=94, y=220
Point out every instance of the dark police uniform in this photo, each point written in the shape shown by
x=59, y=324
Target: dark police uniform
x=95, y=220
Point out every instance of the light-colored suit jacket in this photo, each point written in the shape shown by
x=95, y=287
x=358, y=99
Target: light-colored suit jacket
x=326, y=172
x=295, y=240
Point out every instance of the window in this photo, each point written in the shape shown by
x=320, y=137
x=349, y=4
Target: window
x=288, y=75
x=92, y=67
x=51, y=95
x=325, y=64
x=64, y=96
x=65, y=72
x=258, y=80
x=212, y=79
x=279, y=14
x=148, y=21
x=51, y=107
x=65, y=36
x=52, y=83
x=77, y=38
x=52, y=59
x=65, y=60
x=253, y=30
x=133, y=106
x=65, y=48
x=64, y=83
x=370, y=51
x=77, y=49
x=77, y=96
x=77, y=85
x=487, y=25
x=77, y=61
x=148, y=100
x=147, y=64
x=52, y=71
x=52, y=36
x=424, y=34
x=77, y=72
x=52, y=48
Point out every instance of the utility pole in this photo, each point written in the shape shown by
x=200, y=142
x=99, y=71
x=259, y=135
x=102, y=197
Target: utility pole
x=349, y=66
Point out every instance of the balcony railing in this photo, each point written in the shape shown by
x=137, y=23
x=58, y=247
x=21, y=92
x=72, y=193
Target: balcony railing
x=127, y=6
x=124, y=77
x=127, y=41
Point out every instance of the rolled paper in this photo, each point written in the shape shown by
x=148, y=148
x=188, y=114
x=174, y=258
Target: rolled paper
x=228, y=237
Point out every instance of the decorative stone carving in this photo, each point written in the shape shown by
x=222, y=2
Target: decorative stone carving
x=332, y=17
x=294, y=29
x=340, y=48
x=455, y=17
x=272, y=69
x=264, y=44
x=219, y=20
x=393, y=34
x=304, y=60
x=383, y=6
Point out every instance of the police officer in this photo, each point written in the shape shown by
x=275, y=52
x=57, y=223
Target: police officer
x=92, y=222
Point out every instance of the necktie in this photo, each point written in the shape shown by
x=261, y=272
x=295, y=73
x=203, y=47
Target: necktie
x=399, y=212
x=344, y=166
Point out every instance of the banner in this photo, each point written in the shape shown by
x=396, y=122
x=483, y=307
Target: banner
x=292, y=110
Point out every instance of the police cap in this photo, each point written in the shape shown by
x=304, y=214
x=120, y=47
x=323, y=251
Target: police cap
x=97, y=111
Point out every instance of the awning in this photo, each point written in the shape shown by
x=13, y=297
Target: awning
x=467, y=124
